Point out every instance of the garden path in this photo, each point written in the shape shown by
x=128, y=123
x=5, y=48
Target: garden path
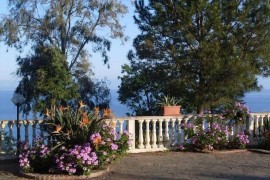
x=184, y=165
x=177, y=165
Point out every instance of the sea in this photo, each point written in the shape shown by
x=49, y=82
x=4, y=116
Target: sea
x=256, y=101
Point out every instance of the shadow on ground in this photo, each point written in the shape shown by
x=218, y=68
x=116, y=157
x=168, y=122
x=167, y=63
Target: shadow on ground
x=9, y=168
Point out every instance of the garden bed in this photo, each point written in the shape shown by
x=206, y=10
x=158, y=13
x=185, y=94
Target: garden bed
x=95, y=173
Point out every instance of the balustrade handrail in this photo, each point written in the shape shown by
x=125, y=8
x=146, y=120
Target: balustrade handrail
x=164, y=134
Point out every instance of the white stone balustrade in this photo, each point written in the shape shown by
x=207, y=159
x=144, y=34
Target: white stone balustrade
x=148, y=133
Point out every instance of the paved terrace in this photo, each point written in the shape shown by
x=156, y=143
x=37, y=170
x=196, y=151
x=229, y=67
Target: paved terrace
x=178, y=165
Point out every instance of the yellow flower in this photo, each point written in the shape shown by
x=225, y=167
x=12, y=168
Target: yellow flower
x=96, y=111
x=68, y=134
x=85, y=121
x=81, y=104
x=58, y=128
x=112, y=124
x=61, y=108
x=47, y=112
x=97, y=140
x=107, y=113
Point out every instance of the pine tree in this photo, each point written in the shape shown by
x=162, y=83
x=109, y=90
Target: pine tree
x=215, y=49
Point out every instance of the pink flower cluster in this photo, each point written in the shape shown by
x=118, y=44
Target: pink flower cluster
x=243, y=138
x=79, y=157
x=24, y=156
x=39, y=148
x=26, y=153
x=114, y=146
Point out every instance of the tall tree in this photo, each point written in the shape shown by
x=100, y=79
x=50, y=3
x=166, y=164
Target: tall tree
x=216, y=48
x=46, y=81
x=143, y=83
x=67, y=24
x=92, y=92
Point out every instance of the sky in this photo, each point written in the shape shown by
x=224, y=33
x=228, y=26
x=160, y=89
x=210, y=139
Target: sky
x=118, y=56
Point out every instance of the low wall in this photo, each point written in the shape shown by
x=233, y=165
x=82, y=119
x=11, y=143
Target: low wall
x=148, y=133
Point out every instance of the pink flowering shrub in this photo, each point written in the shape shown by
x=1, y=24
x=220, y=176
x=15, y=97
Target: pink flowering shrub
x=236, y=112
x=82, y=141
x=266, y=140
x=239, y=141
x=77, y=160
x=107, y=146
x=213, y=137
x=35, y=159
x=24, y=156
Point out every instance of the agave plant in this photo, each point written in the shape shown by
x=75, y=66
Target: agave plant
x=69, y=126
x=169, y=101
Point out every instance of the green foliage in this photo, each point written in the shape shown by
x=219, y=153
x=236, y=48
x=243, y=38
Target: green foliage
x=107, y=146
x=212, y=51
x=236, y=112
x=67, y=24
x=265, y=141
x=264, y=134
x=92, y=92
x=169, y=101
x=37, y=158
x=46, y=80
x=69, y=127
x=143, y=83
x=39, y=155
x=78, y=142
x=214, y=137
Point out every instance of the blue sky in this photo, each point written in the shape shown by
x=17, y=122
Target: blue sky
x=118, y=57
x=117, y=54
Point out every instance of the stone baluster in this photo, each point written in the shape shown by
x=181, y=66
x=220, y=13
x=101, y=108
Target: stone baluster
x=178, y=131
x=26, y=132
x=121, y=122
x=234, y=130
x=172, y=138
x=250, y=128
x=182, y=136
x=267, y=123
x=205, y=124
x=227, y=132
x=167, y=139
x=160, y=136
x=147, y=135
x=41, y=130
x=114, y=124
x=2, y=132
x=256, y=126
x=260, y=126
x=10, y=139
x=154, y=135
x=131, y=130
x=20, y=124
x=141, y=146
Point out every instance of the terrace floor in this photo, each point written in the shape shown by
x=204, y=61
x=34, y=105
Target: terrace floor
x=178, y=165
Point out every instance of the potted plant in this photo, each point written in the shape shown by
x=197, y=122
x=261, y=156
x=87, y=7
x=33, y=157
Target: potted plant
x=170, y=106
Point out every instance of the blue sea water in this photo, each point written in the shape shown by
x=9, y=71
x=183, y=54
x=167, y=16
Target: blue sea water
x=257, y=101
x=8, y=109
